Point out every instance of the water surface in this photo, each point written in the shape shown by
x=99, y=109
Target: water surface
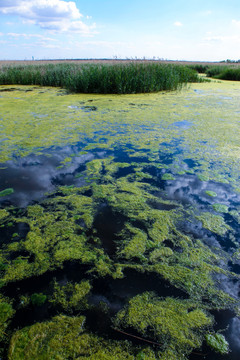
x=119, y=199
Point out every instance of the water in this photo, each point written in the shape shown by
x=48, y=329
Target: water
x=100, y=185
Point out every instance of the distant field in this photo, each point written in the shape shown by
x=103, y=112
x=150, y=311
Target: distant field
x=110, y=61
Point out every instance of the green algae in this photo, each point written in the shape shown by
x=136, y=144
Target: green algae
x=56, y=236
x=214, y=223
x=5, y=314
x=174, y=323
x=24, y=131
x=167, y=176
x=71, y=297
x=3, y=214
x=147, y=237
x=6, y=192
x=218, y=343
x=160, y=254
x=220, y=208
x=211, y=193
x=65, y=337
x=38, y=299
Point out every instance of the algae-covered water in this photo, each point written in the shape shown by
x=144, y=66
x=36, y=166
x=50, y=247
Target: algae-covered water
x=119, y=224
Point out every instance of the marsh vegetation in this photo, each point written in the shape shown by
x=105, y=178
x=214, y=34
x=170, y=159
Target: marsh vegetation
x=129, y=78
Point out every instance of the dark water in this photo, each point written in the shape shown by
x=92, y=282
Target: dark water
x=34, y=176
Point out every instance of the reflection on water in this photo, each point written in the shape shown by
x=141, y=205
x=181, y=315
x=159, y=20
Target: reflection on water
x=34, y=176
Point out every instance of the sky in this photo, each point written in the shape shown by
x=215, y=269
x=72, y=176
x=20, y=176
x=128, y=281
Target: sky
x=206, y=30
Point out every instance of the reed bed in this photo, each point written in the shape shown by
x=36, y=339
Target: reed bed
x=224, y=72
x=126, y=78
x=229, y=74
x=215, y=71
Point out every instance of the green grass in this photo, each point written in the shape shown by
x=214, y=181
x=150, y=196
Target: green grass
x=200, y=68
x=230, y=74
x=215, y=71
x=127, y=78
x=224, y=73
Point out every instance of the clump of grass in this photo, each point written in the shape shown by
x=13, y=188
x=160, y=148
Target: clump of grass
x=200, y=68
x=213, y=71
x=230, y=74
x=224, y=73
x=102, y=78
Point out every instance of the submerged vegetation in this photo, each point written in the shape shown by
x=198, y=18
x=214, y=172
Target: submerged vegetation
x=130, y=78
x=120, y=238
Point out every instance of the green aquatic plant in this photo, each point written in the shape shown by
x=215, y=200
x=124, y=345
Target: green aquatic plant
x=6, y=192
x=173, y=323
x=211, y=193
x=203, y=177
x=214, y=223
x=167, y=176
x=38, y=299
x=6, y=313
x=3, y=214
x=72, y=296
x=160, y=255
x=218, y=343
x=134, y=243
x=65, y=337
x=220, y=208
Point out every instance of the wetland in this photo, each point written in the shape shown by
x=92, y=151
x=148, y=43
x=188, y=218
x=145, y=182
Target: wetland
x=120, y=223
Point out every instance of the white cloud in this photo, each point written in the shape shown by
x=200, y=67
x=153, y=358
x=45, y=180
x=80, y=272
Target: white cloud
x=54, y=15
x=30, y=36
x=42, y=10
x=206, y=12
x=178, y=23
x=228, y=39
x=236, y=23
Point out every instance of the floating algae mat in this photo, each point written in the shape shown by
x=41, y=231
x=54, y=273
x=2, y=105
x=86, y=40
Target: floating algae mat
x=119, y=224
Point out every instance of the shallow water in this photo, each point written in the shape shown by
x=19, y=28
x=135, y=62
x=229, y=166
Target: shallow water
x=135, y=194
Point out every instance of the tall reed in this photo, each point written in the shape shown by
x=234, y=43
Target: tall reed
x=230, y=74
x=126, y=78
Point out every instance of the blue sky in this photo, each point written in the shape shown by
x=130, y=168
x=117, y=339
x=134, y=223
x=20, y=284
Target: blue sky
x=170, y=29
